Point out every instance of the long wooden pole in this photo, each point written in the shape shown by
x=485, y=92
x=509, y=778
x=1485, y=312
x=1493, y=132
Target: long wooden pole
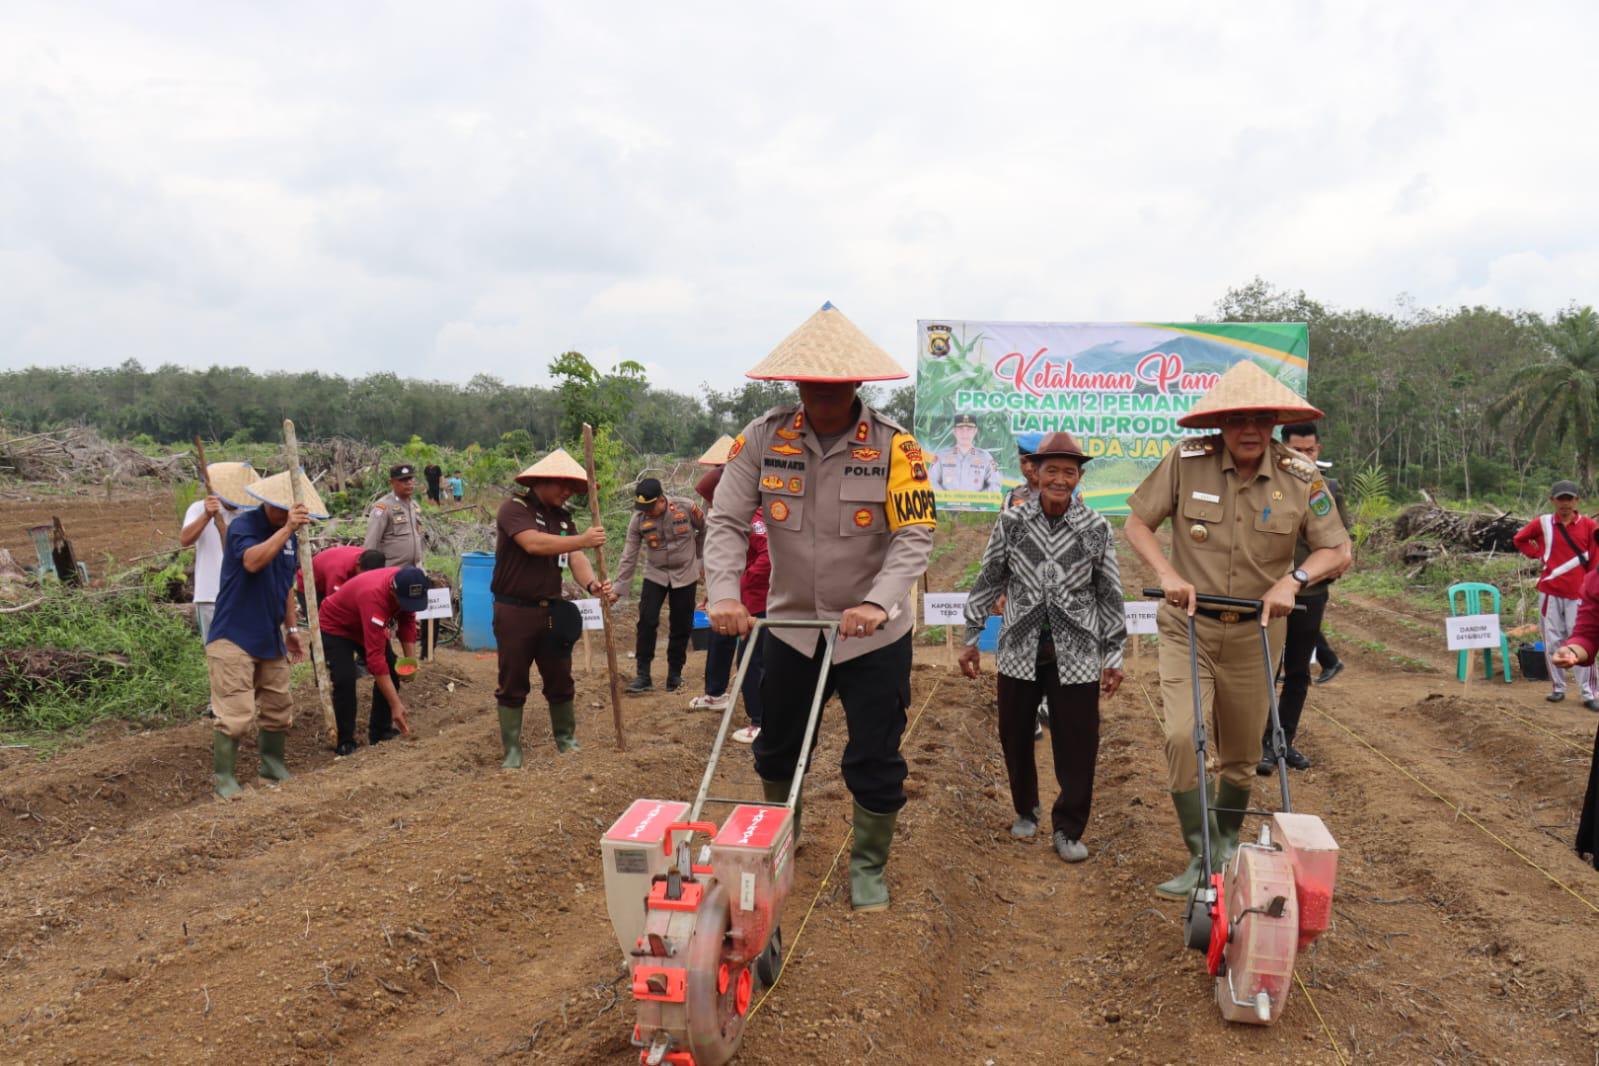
x=205, y=480
x=319, y=665
x=605, y=604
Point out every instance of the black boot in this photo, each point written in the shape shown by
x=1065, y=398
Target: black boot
x=674, y=682
x=641, y=683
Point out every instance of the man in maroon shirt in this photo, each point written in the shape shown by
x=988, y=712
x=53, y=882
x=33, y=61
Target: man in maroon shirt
x=355, y=623
x=332, y=567
x=1564, y=541
x=533, y=624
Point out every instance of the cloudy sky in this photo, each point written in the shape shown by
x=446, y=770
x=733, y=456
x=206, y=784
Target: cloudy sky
x=447, y=189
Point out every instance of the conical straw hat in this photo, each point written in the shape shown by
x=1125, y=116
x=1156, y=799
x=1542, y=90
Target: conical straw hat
x=716, y=454
x=229, y=481
x=827, y=347
x=1244, y=388
x=277, y=491
x=557, y=466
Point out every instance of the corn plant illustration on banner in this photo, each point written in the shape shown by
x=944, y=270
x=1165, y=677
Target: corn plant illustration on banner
x=1118, y=387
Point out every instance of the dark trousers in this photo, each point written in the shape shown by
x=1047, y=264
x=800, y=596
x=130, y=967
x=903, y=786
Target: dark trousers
x=720, y=659
x=680, y=622
x=1325, y=656
x=343, y=656
x=1588, y=821
x=875, y=689
x=755, y=674
x=524, y=640
x=720, y=655
x=1073, y=741
x=1304, y=630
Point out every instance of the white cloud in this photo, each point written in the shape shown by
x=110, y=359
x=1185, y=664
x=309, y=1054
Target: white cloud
x=448, y=191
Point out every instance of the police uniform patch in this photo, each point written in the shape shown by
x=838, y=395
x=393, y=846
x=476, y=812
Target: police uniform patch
x=788, y=434
x=863, y=432
x=910, y=499
x=795, y=484
x=863, y=518
x=772, y=483
x=1199, y=533
x=786, y=449
x=799, y=419
x=779, y=511
x=738, y=446
x=865, y=455
x=1321, y=502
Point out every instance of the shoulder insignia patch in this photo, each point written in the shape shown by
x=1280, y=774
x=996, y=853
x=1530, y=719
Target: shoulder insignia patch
x=910, y=499
x=1303, y=469
x=863, y=432
x=738, y=446
x=1321, y=503
x=799, y=419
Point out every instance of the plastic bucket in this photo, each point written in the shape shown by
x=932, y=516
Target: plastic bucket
x=477, y=602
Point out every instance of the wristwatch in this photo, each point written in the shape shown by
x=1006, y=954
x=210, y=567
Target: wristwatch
x=1300, y=576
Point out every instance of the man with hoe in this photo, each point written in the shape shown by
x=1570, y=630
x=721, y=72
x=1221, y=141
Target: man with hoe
x=849, y=522
x=668, y=533
x=395, y=525
x=1238, y=501
x=254, y=634
x=533, y=624
x=1564, y=542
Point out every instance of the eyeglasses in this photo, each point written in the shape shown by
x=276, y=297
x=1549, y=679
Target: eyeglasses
x=1239, y=421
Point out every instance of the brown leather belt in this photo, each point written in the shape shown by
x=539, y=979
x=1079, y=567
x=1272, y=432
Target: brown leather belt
x=1227, y=616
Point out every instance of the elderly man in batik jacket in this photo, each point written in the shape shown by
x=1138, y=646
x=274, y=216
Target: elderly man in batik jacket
x=1054, y=561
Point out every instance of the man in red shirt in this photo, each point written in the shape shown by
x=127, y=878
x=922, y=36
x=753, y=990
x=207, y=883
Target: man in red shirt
x=332, y=567
x=355, y=624
x=1564, y=541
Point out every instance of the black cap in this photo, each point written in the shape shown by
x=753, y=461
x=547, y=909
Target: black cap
x=1564, y=488
x=649, y=490
x=965, y=420
x=401, y=471
x=411, y=589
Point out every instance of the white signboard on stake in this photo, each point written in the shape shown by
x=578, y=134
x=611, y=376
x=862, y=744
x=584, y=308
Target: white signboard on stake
x=944, y=608
x=1472, y=631
x=1141, y=616
x=438, y=605
x=592, y=617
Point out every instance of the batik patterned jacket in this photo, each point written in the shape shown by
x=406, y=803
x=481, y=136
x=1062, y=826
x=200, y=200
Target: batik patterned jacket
x=1062, y=572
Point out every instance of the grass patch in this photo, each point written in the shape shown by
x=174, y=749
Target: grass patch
x=1377, y=647
x=152, y=668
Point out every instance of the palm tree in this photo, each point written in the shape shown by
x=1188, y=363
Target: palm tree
x=1557, y=400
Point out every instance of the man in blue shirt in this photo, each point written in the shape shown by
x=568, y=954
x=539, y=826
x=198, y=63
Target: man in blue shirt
x=247, y=653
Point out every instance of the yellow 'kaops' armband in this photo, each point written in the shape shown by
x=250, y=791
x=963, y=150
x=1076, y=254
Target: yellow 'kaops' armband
x=910, y=494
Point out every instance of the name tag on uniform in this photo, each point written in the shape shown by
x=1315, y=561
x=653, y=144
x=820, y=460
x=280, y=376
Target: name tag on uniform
x=1208, y=497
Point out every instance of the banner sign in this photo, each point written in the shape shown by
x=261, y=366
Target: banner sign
x=1117, y=387
x=1141, y=616
x=439, y=605
x=1472, y=631
x=593, y=617
x=944, y=608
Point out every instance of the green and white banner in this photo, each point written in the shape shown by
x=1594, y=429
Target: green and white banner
x=1118, y=387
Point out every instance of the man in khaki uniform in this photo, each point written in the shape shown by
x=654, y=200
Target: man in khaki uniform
x=395, y=525
x=1238, y=501
x=668, y=533
x=849, y=524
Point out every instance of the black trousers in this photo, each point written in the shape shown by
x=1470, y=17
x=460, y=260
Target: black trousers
x=1325, y=656
x=875, y=689
x=1073, y=742
x=1588, y=822
x=680, y=623
x=1304, y=630
x=343, y=656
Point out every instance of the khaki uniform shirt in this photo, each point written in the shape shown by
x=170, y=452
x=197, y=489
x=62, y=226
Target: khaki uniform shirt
x=1232, y=537
x=976, y=471
x=849, y=525
x=1019, y=495
x=395, y=528
x=670, y=544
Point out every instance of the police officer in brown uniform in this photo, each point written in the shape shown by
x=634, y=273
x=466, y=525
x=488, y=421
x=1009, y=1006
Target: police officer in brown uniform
x=533, y=625
x=395, y=525
x=849, y=521
x=1238, y=501
x=668, y=533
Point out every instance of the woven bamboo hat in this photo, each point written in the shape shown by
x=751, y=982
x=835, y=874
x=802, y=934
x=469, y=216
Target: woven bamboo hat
x=557, y=466
x=229, y=482
x=277, y=491
x=827, y=347
x=716, y=454
x=1244, y=389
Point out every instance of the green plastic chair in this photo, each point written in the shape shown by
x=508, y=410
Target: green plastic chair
x=1471, y=594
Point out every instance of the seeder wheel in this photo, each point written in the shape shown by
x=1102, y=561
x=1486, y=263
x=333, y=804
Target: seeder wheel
x=717, y=996
x=769, y=963
x=1196, y=921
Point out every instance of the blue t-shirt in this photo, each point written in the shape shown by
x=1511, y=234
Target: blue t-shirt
x=250, y=606
x=457, y=486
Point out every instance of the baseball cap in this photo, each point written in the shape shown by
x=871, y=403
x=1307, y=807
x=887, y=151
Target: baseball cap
x=401, y=471
x=1564, y=488
x=649, y=490
x=411, y=589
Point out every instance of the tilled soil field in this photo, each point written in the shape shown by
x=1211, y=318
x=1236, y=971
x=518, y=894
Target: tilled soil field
x=414, y=903
x=122, y=526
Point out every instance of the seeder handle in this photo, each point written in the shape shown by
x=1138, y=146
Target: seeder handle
x=1220, y=601
x=708, y=828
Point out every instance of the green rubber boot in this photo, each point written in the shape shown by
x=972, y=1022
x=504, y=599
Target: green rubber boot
x=1191, y=823
x=1227, y=824
x=777, y=792
x=511, y=737
x=563, y=723
x=868, y=891
x=273, y=768
x=224, y=752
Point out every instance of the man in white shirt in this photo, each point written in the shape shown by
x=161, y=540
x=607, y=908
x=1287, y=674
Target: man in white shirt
x=200, y=533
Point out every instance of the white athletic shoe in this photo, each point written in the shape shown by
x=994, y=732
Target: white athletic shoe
x=708, y=703
x=747, y=735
